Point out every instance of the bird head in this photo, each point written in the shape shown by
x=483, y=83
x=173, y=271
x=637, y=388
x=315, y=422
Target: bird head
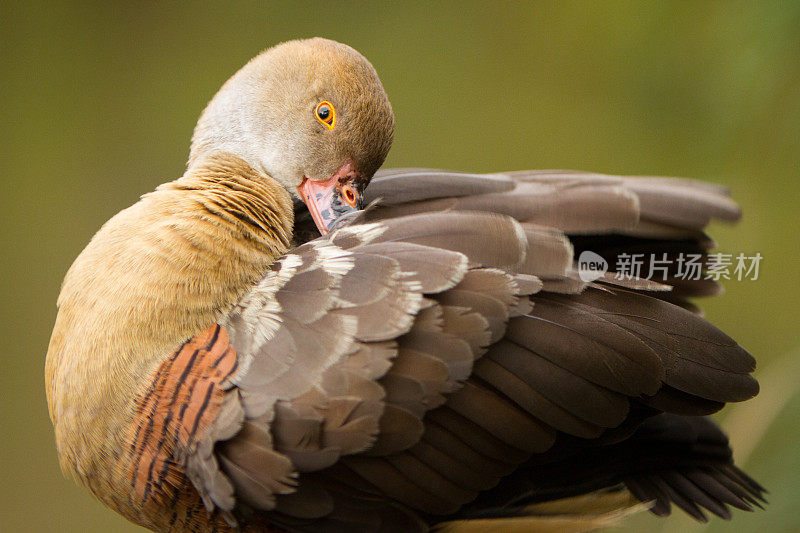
x=312, y=114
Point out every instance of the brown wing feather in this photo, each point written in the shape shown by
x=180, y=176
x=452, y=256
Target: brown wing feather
x=442, y=339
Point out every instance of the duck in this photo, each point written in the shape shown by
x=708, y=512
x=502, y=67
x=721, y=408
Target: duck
x=288, y=338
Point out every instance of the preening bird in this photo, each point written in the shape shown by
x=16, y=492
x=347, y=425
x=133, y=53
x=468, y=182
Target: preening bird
x=249, y=347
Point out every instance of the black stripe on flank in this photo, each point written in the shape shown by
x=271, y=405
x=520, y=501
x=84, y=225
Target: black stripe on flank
x=214, y=337
x=190, y=513
x=174, y=500
x=188, y=401
x=165, y=426
x=220, y=358
x=144, y=438
x=167, y=430
x=203, y=408
x=233, y=370
x=147, y=395
x=184, y=375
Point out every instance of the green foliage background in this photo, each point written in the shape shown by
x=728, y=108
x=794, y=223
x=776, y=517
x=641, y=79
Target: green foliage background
x=98, y=102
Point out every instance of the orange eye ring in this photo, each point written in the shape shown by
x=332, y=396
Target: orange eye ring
x=326, y=114
x=349, y=195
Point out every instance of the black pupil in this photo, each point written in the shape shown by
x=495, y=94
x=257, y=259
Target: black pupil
x=323, y=112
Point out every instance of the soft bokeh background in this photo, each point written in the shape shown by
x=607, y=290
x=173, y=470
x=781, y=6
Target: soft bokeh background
x=98, y=103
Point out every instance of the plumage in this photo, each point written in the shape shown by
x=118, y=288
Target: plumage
x=433, y=361
x=590, y=402
x=532, y=400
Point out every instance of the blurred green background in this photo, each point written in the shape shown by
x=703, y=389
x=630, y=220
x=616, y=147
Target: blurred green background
x=99, y=101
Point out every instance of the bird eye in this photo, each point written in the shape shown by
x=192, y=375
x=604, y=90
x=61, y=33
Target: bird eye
x=326, y=114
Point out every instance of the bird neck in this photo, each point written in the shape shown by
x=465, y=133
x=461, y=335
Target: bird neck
x=155, y=275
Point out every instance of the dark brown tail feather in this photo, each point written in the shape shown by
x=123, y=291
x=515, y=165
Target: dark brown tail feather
x=670, y=459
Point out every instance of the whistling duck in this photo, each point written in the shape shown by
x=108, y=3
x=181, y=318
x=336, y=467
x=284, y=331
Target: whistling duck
x=287, y=339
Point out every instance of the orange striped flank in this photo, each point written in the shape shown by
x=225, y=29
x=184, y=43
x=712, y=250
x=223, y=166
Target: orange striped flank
x=172, y=416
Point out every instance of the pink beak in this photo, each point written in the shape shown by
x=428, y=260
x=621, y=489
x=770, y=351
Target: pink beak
x=328, y=200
